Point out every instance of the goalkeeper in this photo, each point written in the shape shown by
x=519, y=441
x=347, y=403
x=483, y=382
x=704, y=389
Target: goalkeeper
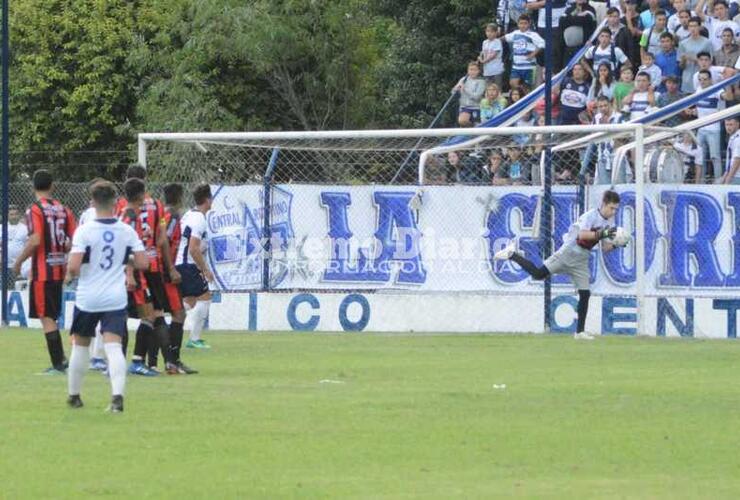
x=572, y=258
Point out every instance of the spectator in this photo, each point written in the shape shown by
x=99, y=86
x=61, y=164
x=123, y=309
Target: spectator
x=650, y=40
x=718, y=22
x=634, y=25
x=621, y=36
x=526, y=120
x=17, y=236
x=578, y=24
x=671, y=95
x=508, y=13
x=727, y=54
x=492, y=104
x=652, y=69
x=490, y=56
x=525, y=46
x=692, y=156
x=536, y=9
x=688, y=52
x=648, y=16
x=573, y=96
x=624, y=86
x=709, y=135
x=518, y=169
x=601, y=152
x=674, y=20
x=605, y=53
x=732, y=164
x=603, y=84
x=718, y=73
x=466, y=169
x=471, y=88
x=667, y=59
x=496, y=169
x=643, y=97
x=682, y=32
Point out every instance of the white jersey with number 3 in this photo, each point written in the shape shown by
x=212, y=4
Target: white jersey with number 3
x=106, y=245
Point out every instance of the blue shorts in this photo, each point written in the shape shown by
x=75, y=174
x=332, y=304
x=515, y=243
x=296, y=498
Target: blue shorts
x=525, y=75
x=473, y=112
x=84, y=323
x=193, y=282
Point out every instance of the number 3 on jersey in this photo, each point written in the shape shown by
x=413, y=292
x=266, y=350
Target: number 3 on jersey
x=108, y=252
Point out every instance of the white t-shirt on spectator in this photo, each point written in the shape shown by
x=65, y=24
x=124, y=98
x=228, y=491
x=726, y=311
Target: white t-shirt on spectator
x=715, y=27
x=601, y=56
x=708, y=105
x=733, y=151
x=496, y=65
x=717, y=75
x=674, y=22
x=558, y=10
x=640, y=104
x=523, y=43
x=17, y=237
x=681, y=33
x=692, y=154
x=106, y=244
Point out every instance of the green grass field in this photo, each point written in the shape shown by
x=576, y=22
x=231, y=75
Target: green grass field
x=404, y=417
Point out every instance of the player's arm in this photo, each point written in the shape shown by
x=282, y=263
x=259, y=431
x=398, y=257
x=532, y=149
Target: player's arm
x=198, y=258
x=733, y=170
x=76, y=256
x=35, y=223
x=164, y=246
x=597, y=234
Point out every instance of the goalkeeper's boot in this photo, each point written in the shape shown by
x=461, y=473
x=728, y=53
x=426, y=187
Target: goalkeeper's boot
x=583, y=336
x=506, y=252
x=116, y=405
x=74, y=401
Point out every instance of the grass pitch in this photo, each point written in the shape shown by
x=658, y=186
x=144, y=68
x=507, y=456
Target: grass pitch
x=383, y=416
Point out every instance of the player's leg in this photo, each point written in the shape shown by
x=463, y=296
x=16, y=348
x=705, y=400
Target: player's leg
x=509, y=252
x=114, y=329
x=160, y=338
x=197, y=298
x=97, y=353
x=45, y=305
x=82, y=331
x=174, y=306
x=199, y=315
x=580, y=274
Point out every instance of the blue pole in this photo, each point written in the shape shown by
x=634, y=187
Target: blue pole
x=5, y=156
x=266, y=218
x=546, y=222
x=431, y=125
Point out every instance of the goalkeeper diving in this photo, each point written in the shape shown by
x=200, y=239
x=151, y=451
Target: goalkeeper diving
x=593, y=227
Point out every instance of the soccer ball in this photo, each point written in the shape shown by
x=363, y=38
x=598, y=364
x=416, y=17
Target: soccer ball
x=621, y=237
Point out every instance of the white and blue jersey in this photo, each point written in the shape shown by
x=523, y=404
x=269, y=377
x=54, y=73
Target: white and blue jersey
x=640, y=104
x=192, y=224
x=106, y=245
x=573, y=100
x=521, y=45
x=708, y=105
x=612, y=56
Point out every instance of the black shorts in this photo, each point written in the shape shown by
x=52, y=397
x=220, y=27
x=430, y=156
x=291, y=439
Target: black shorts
x=84, y=323
x=155, y=284
x=45, y=299
x=193, y=282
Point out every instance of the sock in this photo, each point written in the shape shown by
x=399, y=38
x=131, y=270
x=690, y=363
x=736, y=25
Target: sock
x=56, y=349
x=98, y=351
x=116, y=368
x=161, y=341
x=143, y=333
x=153, y=342
x=200, y=313
x=124, y=344
x=175, y=341
x=78, y=364
x=583, y=296
x=538, y=273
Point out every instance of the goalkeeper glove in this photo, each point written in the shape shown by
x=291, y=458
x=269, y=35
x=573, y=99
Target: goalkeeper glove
x=606, y=233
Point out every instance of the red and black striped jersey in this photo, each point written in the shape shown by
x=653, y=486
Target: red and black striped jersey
x=150, y=218
x=172, y=222
x=55, y=225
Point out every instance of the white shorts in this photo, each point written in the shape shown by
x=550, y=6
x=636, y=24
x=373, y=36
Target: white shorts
x=573, y=261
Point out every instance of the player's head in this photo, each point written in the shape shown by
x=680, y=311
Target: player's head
x=609, y=204
x=136, y=171
x=173, y=194
x=91, y=185
x=103, y=194
x=133, y=190
x=732, y=124
x=42, y=181
x=202, y=196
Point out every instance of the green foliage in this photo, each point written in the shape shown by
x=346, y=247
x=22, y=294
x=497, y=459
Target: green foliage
x=89, y=74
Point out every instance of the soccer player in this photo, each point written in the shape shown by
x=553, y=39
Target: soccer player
x=191, y=264
x=100, y=253
x=173, y=194
x=591, y=229
x=50, y=226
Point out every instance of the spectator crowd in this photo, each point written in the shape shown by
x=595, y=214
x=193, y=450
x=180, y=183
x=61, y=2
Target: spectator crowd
x=646, y=55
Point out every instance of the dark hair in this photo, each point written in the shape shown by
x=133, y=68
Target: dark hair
x=603, y=98
x=136, y=171
x=695, y=19
x=134, y=189
x=597, y=80
x=703, y=54
x=612, y=10
x=650, y=54
x=92, y=184
x=660, y=12
x=42, y=180
x=524, y=17
x=728, y=30
x=719, y=2
x=173, y=194
x=642, y=73
x=103, y=194
x=605, y=30
x=733, y=118
x=705, y=72
x=667, y=35
x=201, y=193
x=610, y=197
